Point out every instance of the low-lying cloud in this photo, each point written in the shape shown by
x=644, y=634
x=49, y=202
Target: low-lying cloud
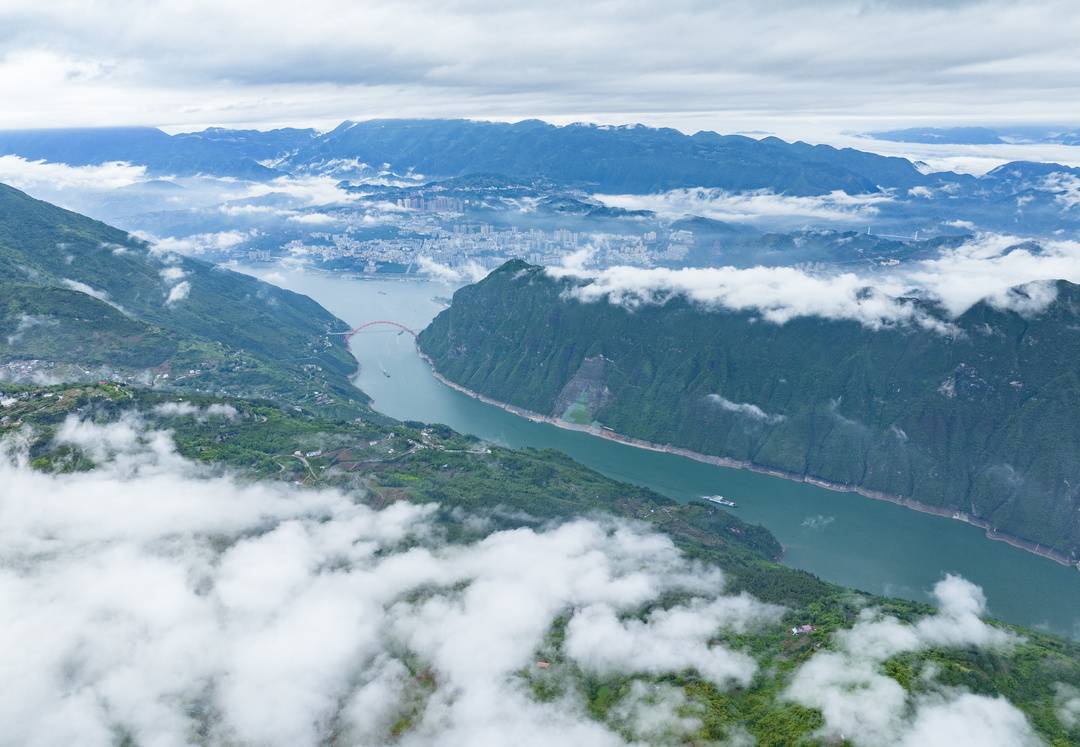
x=746, y=409
x=100, y=295
x=199, y=243
x=470, y=272
x=52, y=177
x=751, y=206
x=187, y=409
x=153, y=600
x=862, y=704
x=1005, y=271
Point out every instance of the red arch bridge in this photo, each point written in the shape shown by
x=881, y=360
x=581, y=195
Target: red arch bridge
x=388, y=322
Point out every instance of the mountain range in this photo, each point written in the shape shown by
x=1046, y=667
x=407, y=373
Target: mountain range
x=634, y=159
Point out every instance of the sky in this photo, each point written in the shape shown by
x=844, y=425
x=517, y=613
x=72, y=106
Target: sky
x=773, y=65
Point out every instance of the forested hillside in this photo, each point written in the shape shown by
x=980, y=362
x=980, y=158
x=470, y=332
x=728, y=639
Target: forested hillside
x=985, y=422
x=80, y=300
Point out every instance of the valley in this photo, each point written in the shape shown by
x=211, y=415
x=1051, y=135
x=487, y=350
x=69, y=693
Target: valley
x=821, y=530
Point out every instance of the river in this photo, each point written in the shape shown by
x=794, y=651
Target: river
x=842, y=537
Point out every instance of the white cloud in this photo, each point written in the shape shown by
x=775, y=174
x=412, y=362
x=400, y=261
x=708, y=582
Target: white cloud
x=1067, y=701
x=657, y=713
x=187, y=409
x=317, y=219
x=305, y=190
x=81, y=287
x=862, y=704
x=100, y=295
x=669, y=640
x=748, y=65
x=964, y=224
x=1001, y=270
x=973, y=720
x=49, y=178
x=744, y=408
x=200, y=243
x=178, y=293
x=748, y=207
x=28, y=322
x=1066, y=188
x=965, y=159
x=470, y=272
x=152, y=598
x=172, y=274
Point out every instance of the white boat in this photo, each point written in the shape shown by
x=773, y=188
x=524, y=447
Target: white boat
x=721, y=500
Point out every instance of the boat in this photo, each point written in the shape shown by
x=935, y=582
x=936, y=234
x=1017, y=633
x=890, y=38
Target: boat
x=720, y=500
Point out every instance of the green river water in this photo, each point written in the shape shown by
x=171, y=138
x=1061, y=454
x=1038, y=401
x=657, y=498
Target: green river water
x=842, y=537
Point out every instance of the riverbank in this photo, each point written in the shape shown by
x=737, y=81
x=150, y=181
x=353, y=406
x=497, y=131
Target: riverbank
x=637, y=443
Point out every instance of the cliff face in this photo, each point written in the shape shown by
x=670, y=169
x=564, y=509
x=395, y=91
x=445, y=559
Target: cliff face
x=987, y=422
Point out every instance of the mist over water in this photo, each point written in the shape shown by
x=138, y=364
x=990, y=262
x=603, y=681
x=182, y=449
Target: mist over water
x=842, y=537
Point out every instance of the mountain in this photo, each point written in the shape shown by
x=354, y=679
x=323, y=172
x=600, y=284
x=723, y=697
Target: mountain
x=985, y=423
x=215, y=151
x=980, y=135
x=949, y=135
x=633, y=159
x=81, y=299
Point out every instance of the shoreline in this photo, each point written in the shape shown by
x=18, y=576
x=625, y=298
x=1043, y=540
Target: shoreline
x=945, y=513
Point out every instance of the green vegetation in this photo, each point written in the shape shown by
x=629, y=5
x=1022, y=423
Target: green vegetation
x=985, y=422
x=82, y=301
x=384, y=461
x=301, y=422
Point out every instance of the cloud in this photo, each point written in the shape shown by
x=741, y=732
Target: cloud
x=668, y=640
x=154, y=598
x=187, y=409
x=751, y=65
x=199, y=243
x=28, y=322
x=864, y=705
x=305, y=190
x=970, y=720
x=964, y=224
x=50, y=178
x=1067, y=701
x=748, y=207
x=178, y=293
x=174, y=279
x=470, y=272
x=1066, y=188
x=657, y=713
x=744, y=408
x=317, y=219
x=172, y=274
x=100, y=295
x=1004, y=271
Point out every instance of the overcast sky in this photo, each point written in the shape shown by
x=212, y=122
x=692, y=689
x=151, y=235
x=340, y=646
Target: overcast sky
x=787, y=67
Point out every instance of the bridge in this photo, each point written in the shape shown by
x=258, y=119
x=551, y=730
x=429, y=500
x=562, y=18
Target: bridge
x=365, y=325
